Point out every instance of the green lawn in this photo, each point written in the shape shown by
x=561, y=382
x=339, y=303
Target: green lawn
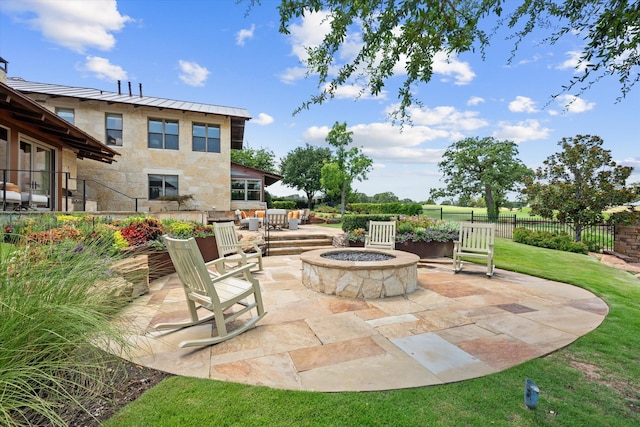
x=592, y=382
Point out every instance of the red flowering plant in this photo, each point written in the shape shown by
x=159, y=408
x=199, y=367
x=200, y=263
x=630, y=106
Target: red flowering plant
x=141, y=231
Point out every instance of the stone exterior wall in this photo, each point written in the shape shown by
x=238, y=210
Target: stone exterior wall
x=206, y=176
x=627, y=242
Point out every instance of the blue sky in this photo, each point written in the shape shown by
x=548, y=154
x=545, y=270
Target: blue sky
x=213, y=52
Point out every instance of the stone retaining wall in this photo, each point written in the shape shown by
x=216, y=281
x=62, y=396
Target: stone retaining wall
x=627, y=242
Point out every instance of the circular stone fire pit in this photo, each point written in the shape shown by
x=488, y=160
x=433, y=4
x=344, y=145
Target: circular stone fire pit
x=358, y=274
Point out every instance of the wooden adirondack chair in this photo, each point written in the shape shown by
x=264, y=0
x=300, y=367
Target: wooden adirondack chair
x=230, y=248
x=476, y=241
x=381, y=235
x=217, y=293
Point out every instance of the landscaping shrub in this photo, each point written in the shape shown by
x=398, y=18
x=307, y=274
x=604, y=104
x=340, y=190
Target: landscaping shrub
x=396, y=208
x=549, y=240
x=351, y=222
x=408, y=228
x=284, y=204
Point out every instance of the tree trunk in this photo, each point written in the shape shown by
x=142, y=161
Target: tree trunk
x=343, y=200
x=309, y=200
x=578, y=232
x=492, y=213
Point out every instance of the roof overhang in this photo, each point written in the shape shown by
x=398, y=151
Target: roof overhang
x=21, y=109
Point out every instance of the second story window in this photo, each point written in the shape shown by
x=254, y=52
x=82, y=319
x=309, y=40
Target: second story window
x=66, y=113
x=163, y=134
x=206, y=138
x=114, y=129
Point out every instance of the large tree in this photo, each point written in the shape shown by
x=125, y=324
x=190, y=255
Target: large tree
x=482, y=167
x=410, y=34
x=347, y=164
x=578, y=183
x=301, y=169
x=261, y=158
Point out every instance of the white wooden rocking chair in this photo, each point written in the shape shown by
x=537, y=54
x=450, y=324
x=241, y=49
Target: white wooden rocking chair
x=476, y=241
x=231, y=249
x=381, y=235
x=217, y=293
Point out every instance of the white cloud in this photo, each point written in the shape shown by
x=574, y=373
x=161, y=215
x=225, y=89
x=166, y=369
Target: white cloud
x=522, y=104
x=534, y=58
x=263, y=119
x=103, y=69
x=575, y=104
x=630, y=161
x=475, y=100
x=192, y=73
x=76, y=25
x=292, y=74
x=386, y=143
x=309, y=33
x=245, y=34
x=573, y=62
x=355, y=91
x=522, y=131
x=447, y=118
x=449, y=65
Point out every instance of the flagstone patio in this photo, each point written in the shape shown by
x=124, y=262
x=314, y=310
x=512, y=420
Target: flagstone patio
x=452, y=328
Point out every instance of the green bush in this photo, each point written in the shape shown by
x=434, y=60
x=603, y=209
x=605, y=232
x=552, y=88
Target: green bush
x=352, y=222
x=395, y=208
x=325, y=209
x=549, y=240
x=284, y=204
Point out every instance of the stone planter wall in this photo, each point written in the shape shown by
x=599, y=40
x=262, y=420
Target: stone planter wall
x=427, y=249
x=160, y=263
x=627, y=242
x=422, y=249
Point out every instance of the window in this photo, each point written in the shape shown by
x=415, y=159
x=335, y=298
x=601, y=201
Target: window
x=206, y=138
x=162, y=185
x=66, y=113
x=114, y=129
x=163, y=134
x=246, y=189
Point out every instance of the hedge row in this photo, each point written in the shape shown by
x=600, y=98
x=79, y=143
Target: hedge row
x=352, y=222
x=546, y=239
x=395, y=208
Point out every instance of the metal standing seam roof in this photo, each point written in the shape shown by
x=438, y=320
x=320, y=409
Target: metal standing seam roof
x=133, y=99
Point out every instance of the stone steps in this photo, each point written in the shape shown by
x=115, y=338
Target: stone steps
x=295, y=244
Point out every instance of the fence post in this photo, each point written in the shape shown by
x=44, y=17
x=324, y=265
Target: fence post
x=441, y=213
x=472, y=215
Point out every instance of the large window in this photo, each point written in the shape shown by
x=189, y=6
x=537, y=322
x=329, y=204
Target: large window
x=66, y=113
x=206, y=138
x=162, y=185
x=163, y=134
x=114, y=129
x=246, y=189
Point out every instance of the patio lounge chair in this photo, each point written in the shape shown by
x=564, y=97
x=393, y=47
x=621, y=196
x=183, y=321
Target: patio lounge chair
x=277, y=218
x=217, y=293
x=476, y=241
x=381, y=235
x=231, y=249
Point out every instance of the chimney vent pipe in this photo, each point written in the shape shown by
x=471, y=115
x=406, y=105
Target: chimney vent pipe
x=140, y=86
x=119, y=88
x=129, y=88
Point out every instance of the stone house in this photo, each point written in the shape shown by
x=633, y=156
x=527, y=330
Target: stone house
x=39, y=153
x=167, y=149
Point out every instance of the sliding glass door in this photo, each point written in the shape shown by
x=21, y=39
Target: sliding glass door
x=37, y=177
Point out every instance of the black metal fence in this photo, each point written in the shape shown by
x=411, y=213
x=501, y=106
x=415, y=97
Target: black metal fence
x=603, y=235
